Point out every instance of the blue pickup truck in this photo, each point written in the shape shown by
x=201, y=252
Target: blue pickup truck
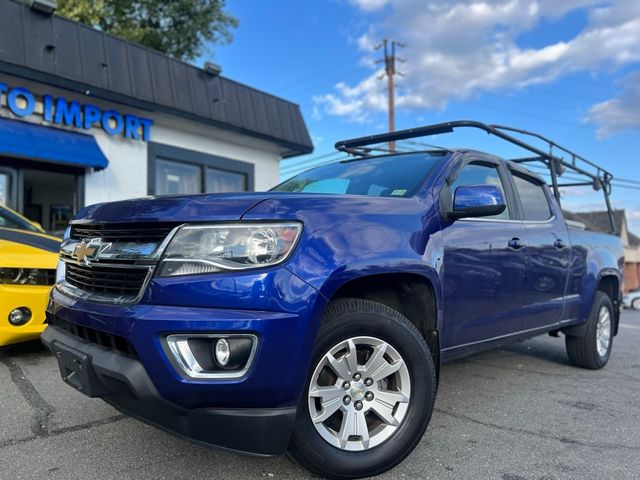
x=313, y=318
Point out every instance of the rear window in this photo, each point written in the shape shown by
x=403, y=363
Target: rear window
x=388, y=176
x=535, y=204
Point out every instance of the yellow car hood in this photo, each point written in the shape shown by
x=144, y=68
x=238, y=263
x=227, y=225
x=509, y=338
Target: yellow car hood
x=23, y=249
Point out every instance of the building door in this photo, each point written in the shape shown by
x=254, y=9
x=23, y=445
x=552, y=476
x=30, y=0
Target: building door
x=46, y=193
x=49, y=198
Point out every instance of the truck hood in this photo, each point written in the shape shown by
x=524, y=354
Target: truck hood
x=179, y=208
x=235, y=206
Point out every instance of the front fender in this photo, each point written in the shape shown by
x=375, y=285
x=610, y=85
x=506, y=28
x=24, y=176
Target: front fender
x=352, y=237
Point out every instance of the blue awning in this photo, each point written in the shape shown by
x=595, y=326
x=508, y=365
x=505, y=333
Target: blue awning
x=47, y=144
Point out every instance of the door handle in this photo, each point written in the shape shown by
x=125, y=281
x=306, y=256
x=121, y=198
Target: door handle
x=516, y=244
x=559, y=244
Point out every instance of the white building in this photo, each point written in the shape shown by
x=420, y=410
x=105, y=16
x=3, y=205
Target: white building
x=87, y=117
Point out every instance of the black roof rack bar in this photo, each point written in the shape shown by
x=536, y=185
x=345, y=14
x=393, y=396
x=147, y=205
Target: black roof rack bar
x=574, y=156
x=576, y=184
x=600, y=179
x=527, y=159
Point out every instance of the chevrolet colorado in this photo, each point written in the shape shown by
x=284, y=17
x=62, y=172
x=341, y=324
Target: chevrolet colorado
x=313, y=318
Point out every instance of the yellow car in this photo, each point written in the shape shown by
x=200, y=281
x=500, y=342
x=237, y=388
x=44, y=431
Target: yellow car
x=28, y=259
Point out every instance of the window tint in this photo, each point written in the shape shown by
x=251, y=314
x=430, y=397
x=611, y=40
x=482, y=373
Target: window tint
x=330, y=185
x=387, y=176
x=535, y=204
x=481, y=174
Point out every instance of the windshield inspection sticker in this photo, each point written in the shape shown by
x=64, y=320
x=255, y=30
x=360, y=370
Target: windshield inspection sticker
x=398, y=193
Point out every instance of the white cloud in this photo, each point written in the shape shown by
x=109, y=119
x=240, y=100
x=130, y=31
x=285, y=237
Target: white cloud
x=370, y=5
x=620, y=113
x=458, y=48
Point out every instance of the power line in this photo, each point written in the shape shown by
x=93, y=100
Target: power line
x=306, y=165
x=312, y=76
x=635, y=182
x=293, y=173
x=331, y=79
x=307, y=160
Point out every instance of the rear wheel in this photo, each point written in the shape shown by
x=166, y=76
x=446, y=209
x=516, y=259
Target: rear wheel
x=592, y=350
x=369, y=395
x=636, y=304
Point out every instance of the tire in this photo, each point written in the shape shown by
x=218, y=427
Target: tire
x=636, y=304
x=324, y=448
x=584, y=351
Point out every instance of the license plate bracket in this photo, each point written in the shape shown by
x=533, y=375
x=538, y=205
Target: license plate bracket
x=76, y=370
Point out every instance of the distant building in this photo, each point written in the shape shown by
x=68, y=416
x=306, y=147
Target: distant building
x=87, y=117
x=599, y=222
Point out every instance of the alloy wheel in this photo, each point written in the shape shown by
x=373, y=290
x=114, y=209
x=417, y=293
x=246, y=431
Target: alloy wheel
x=359, y=393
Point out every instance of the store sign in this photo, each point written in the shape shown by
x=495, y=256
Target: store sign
x=22, y=103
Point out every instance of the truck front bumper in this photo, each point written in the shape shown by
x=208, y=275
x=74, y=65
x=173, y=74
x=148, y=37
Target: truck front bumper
x=123, y=382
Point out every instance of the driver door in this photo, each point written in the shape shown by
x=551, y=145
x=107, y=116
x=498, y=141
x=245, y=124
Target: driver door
x=484, y=266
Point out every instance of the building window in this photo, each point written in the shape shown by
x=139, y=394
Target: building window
x=220, y=181
x=4, y=188
x=174, y=171
x=174, y=178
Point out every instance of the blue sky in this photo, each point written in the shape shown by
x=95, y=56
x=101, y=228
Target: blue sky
x=568, y=69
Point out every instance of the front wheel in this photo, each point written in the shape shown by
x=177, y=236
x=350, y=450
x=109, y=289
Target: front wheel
x=369, y=395
x=592, y=350
x=636, y=304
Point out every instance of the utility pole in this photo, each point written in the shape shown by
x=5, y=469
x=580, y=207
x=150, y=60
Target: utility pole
x=390, y=71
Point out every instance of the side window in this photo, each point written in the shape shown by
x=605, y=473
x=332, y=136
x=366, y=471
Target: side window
x=481, y=174
x=535, y=204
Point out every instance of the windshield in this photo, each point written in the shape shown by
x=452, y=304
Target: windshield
x=8, y=219
x=387, y=176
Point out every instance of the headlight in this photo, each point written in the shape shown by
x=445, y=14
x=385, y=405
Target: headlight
x=60, y=271
x=216, y=248
x=27, y=276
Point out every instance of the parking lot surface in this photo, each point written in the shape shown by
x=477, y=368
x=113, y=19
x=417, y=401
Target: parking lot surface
x=521, y=412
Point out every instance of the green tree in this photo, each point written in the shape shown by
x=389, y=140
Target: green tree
x=180, y=28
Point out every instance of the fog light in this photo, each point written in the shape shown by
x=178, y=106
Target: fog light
x=223, y=352
x=211, y=355
x=19, y=316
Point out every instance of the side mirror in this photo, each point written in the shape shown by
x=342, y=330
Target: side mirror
x=477, y=201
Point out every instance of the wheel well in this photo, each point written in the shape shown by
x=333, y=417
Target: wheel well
x=411, y=295
x=609, y=285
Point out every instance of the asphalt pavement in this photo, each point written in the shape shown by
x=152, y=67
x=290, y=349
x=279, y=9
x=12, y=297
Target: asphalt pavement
x=520, y=412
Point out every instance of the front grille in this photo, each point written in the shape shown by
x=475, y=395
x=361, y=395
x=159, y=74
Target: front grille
x=111, y=281
x=107, y=340
x=123, y=232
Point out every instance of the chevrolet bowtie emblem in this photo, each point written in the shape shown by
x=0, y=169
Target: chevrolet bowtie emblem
x=89, y=249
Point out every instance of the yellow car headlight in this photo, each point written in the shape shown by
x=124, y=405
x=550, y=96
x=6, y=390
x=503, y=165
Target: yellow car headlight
x=27, y=276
